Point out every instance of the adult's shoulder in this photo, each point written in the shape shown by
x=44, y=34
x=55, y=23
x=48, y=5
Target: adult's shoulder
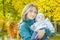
x=23, y=25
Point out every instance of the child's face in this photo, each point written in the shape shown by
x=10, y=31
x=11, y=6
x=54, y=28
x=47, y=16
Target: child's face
x=40, y=18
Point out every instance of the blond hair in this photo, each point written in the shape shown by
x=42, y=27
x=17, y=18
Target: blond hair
x=26, y=9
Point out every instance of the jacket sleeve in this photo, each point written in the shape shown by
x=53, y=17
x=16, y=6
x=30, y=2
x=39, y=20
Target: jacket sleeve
x=50, y=25
x=48, y=32
x=24, y=32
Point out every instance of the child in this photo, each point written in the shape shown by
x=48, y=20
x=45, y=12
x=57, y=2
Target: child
x=40, y=24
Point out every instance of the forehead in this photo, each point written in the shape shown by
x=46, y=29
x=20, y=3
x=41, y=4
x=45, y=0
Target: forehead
x=33, y=8
x=40, y=15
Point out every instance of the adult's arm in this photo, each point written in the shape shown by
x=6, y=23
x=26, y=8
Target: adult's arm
x=45, y=31
x=24, y=32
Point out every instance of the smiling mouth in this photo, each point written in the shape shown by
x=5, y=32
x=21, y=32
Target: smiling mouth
x=32, y=16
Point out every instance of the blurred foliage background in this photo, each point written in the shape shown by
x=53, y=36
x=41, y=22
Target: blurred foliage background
x=10, y=10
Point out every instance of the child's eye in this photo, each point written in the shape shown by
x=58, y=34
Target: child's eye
x=39, y=17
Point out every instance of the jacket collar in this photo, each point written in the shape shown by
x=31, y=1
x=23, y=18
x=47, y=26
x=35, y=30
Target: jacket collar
x=29, y=21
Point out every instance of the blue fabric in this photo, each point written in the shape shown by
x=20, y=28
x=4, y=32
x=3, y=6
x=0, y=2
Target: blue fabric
x=24, y=29
x=26, y=32
x=34, y=35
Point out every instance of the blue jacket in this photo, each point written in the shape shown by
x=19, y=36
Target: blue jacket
x=26, y=32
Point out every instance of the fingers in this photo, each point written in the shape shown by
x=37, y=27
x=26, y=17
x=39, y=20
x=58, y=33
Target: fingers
x=40, y=34
x=36, y=36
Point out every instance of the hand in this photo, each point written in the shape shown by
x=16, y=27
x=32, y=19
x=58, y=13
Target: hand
x=40, y=34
